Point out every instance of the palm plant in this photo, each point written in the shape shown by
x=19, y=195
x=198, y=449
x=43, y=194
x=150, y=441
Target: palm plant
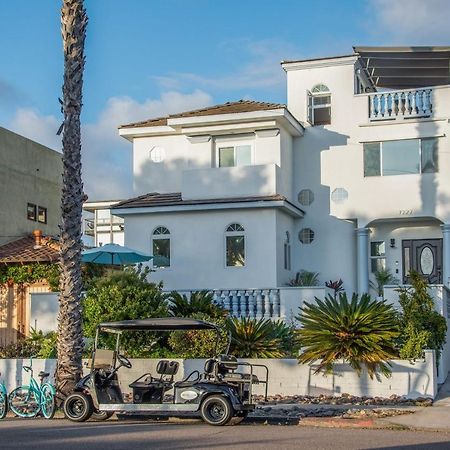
x=382, y=278
x=252, y=338
x=70, y=336
x=362, y=332
x=305, y=278
x=199, y=302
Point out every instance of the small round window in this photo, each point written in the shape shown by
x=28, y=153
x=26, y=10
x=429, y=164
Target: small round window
x=157, y=154
x=305, y=197
x=306, y=236
x=339, y=195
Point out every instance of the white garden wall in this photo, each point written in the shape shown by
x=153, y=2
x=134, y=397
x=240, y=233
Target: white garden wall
x=286, y=377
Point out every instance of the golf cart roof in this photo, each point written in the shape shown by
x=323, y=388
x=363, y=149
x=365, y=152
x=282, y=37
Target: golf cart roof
x=161, y=324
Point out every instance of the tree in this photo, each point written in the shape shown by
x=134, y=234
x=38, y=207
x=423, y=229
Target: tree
x=361, y=332
x=70, y=334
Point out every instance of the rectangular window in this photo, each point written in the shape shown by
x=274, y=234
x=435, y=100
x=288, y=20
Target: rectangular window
x=161, y=252
x=402, y=157
x=377, y=256
x=42, y=214
x=321, y=110
x=235, y=156
x=287, y=256
x=31, y=211
x=235, y=251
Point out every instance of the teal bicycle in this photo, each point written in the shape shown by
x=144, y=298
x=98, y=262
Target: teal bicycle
x=3, y=401
x=30, y=400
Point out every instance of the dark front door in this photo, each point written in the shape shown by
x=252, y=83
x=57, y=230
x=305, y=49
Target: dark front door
x=423, y=256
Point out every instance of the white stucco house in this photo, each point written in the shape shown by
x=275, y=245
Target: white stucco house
x=350, y=176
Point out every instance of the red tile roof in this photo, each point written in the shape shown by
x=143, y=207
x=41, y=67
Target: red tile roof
x=225, y=108
x=24, y=250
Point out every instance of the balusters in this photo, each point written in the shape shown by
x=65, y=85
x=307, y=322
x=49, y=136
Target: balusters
x=234, y=304
x=259, y=304
x=400, y=104
x=226, y=300
x=267, y=311
x=275, y=303
x=251, y=305
x=217, y=298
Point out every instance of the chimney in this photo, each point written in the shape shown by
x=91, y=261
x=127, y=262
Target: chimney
x=37, y=239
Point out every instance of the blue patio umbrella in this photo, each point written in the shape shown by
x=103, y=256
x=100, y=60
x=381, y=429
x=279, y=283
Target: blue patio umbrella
x=113, y=254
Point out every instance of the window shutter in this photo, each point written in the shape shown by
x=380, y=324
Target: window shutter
x=310, y=107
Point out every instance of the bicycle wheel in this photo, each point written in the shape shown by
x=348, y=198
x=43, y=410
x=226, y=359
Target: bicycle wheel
x=48, y=402
x=24, y=402
x=3, y=404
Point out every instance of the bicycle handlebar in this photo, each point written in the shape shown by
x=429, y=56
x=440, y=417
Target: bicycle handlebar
x=27, y=368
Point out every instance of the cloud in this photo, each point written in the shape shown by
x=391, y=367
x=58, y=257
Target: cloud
x=412, y=22
x=9, y=94
x=107, y=168
x=262, y=70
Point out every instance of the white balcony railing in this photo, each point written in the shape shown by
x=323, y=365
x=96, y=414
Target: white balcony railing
x=404, y=104
x=270, y=303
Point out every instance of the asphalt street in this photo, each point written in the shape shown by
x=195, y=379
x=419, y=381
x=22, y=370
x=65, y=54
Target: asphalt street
x=64, y=435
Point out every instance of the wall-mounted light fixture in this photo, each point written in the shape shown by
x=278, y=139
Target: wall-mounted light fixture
x=392, y=243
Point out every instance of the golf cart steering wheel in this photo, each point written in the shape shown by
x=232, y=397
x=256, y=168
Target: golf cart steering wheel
x=124, y=362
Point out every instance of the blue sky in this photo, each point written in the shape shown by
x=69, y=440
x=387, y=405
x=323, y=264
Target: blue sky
x=151, y=57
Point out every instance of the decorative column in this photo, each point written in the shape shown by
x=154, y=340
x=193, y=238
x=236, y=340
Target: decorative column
x=362, y=250
x=445, y=254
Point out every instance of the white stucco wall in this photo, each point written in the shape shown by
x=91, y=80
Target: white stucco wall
x=286, y=377
x=198, y=248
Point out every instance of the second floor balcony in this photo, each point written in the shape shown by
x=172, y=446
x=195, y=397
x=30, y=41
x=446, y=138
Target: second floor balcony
x=223, y=182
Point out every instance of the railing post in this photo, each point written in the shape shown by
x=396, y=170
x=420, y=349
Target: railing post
x=226, y=300
x=275, y=303
x=259, y=304
x=267, y=311
x=235, y=303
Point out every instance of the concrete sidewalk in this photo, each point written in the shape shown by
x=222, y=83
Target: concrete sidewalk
x=436, y=417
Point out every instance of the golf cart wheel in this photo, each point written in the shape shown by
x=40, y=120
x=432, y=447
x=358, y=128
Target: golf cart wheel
x=78, y=407
x=216, y=410
x=101, y=415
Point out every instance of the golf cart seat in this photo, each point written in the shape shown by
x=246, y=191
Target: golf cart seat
x=147, y=389
x=226, y=366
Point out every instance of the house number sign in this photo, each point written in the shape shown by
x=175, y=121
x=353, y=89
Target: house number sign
x=406, y=212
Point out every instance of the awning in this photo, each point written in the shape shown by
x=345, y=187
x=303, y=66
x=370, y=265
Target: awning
x=406, y=67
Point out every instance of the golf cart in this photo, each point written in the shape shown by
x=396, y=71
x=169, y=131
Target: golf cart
x=218, y=393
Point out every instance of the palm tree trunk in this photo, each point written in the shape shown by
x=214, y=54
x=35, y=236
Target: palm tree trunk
x=70, y=333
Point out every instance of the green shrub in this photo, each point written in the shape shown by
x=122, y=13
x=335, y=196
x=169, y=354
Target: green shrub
x=252, y=338
x=37, y=345
x=421, y=326
x=199, y=302
x=382, y=278
x=124, y=295
x=304, y=278
x=199, y=343
x=361, y=332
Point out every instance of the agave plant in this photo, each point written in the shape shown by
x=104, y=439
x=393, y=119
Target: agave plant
x=361, y=332
x=305, y=278
x=263, y=338
x=199, y=302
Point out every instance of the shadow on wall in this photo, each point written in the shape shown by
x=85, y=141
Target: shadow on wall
x=320, y=255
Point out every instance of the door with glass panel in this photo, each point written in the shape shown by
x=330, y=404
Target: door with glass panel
x=423, y=256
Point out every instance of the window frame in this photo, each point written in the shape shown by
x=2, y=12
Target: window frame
x=420, y=156
x=33, y=218
x=311, y=106
x=377, y=257
x=44, y=209
x=223, y=142
x=161, y=236
x=232, y=234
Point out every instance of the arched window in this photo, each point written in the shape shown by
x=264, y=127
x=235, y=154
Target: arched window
x=161, y=247
x=319, y=105
x=287, y=251
x=235, y=245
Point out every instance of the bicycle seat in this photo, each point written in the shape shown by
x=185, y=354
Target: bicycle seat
x=43, y=374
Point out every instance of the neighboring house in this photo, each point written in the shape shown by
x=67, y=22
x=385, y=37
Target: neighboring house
x=27, y=305
x=100, y=225
x=30, y=187
x=349, y=177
